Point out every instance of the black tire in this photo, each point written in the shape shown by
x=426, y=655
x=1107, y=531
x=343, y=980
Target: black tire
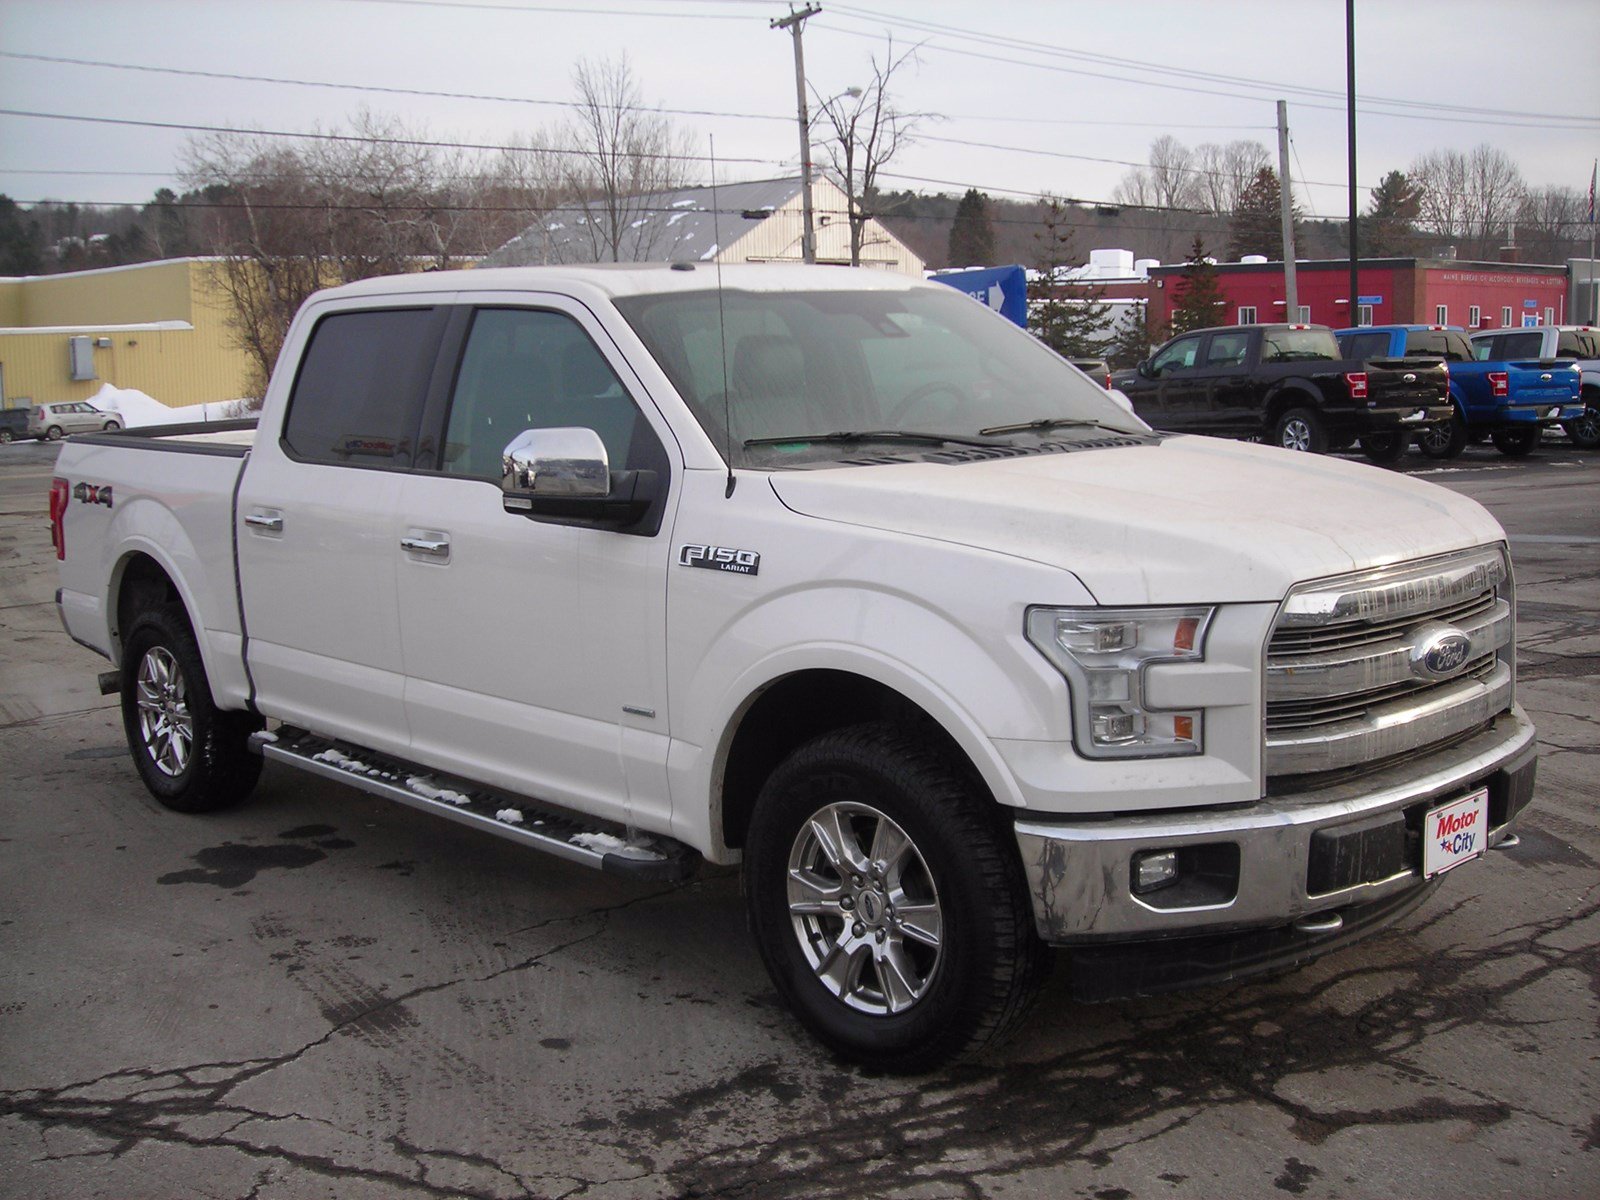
x=5, y=437
x=110, y=425
x=1300, y=429
x=989, y=963
x=1444, y=441
x=164, y=690
x=53, y=434
x=1516, y=443
x=1386, y=447
x=1584, y=431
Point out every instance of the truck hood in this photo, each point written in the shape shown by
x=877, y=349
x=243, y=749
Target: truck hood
x=1181, y=521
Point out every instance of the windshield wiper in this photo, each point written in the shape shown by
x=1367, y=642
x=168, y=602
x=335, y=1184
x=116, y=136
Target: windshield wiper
x=1044, y=423
x=868, y=435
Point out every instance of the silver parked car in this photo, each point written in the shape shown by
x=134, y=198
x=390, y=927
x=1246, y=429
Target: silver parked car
x=48, y=422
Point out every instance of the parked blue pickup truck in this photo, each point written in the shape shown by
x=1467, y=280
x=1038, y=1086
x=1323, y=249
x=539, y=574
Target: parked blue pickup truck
x=1512, y=402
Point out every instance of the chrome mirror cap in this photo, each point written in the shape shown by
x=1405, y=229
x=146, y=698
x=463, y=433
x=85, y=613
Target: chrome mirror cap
x=556, y=462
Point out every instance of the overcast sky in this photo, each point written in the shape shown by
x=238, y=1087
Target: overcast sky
x=1032, y=95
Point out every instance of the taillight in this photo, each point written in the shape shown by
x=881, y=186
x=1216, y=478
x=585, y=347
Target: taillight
x=1356, y=381
x=1108, y=381
x=59, y=494
x=1500, y=384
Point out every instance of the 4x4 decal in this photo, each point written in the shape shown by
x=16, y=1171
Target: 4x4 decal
x=92, y=493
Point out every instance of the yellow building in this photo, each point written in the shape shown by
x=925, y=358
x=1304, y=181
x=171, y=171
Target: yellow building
x=160, y=327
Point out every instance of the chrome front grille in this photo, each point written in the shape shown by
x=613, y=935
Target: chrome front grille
x=1349, y=677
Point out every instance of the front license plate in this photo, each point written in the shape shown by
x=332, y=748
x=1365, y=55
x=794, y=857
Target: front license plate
x=1455, y=833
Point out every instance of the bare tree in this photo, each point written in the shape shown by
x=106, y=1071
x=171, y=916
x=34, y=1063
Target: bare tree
x=868, y=130
x=1471, y=197
x=623, y=156
x=1550, y=223
x=1222, y=173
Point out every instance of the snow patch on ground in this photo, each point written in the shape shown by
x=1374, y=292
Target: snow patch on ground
x=711, y=253
x=138, y=408
x=610, y=843
x=429, y=790
x=510, y=816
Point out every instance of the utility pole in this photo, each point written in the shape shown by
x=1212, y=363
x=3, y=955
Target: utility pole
x=1350, y=117
x=794, y=23
x=1291, y=296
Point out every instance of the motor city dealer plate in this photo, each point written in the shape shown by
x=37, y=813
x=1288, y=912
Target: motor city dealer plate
x=1455, y=833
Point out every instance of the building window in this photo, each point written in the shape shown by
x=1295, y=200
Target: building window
x=1304, y=316
x=1549, y=316
x=1474, y=316
x=1441, y=314
x=1505, y=317
x=1364, y=314
x=1247, y=314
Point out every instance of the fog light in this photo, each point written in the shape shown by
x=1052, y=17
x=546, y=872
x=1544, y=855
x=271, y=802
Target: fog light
x=1153, y=870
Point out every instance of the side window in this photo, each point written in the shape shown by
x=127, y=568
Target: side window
x=1519, y=345
x=1180, y=354
x=531, y=369
x=1227, y=349
x=1363, y=346
x=359, y=393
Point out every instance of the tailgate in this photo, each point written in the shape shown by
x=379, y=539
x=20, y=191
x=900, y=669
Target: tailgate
x=1407, y=382
x=1549, y=381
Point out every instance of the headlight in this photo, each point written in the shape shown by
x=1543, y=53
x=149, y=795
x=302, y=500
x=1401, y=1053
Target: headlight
x=1103, y=653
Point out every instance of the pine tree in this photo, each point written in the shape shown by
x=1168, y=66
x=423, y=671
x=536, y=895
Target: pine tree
x=20, y=240
x=1256, y=226
x=1388, y=230
x=972, y=234
x=1200, y=295
x=1133, y=338
x=1070, y=318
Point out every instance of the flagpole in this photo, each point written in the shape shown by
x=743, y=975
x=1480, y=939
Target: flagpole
x=1594, y=285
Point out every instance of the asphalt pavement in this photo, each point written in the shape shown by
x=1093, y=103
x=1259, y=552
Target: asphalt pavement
x=320, y=994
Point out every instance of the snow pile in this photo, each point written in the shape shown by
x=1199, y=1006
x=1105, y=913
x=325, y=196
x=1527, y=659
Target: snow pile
x=607, y=843
x=137, y=408
x=344, y=762
x=509, y=815
x=429, y=790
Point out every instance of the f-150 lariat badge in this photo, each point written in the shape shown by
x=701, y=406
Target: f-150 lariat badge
x=720, y=558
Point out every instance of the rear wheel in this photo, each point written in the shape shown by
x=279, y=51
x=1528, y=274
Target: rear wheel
x=5, y=436
x=1516, y=443
x=1386, y=447
x=888, y=906
x=1585, y=430
x=193, y=756
x=1444, y=441
x=1300, y=429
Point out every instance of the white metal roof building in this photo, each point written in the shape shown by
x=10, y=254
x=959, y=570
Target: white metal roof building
x=758, y=221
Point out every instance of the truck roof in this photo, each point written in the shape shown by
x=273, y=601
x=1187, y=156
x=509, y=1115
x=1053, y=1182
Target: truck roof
x=632, y=279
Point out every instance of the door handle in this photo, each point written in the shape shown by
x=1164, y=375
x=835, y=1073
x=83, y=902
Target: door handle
x=270, y=522
x=433, y=547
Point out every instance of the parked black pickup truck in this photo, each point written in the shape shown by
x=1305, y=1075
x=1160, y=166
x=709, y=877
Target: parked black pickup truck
x=1288, y=385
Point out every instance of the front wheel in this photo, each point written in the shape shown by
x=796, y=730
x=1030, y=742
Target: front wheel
x=1584, y=431
x=1516, y=443
x=1300, y=429
x=110, y=425
x=1386, y=447
x=53, y=434
x=889, y=908
x=5, y=436
x=191, y=755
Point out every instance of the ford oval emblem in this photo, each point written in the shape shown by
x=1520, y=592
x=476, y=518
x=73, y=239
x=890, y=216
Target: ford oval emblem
x=1545, y=378
x=1408, y=377
x=1439, y=651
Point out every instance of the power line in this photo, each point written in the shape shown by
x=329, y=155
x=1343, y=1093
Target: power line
x=983, y=38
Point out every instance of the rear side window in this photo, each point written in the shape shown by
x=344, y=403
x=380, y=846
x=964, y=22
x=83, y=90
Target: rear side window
x=1519, y=345
x=359, y=393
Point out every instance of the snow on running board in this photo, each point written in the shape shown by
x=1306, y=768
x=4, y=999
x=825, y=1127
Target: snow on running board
x=509, y=815
x=607, y=843
x=429, y=790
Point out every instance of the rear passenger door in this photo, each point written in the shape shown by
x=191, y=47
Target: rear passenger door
x=1232, y=398
x=535, y=648
x=317, y=544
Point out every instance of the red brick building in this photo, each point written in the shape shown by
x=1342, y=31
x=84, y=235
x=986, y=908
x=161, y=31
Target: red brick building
x=1393, y=291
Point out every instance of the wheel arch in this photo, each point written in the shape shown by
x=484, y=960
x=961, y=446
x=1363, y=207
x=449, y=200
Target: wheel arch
x=793, y=708
x=1287, y=395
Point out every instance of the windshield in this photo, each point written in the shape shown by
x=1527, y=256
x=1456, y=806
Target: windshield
x=877, y=365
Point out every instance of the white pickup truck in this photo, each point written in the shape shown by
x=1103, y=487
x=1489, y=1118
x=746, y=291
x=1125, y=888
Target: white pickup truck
x=832, y=572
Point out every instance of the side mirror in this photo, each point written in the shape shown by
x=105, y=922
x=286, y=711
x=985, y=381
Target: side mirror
x=564, y=476
x=1143, y=367
x=555, y=462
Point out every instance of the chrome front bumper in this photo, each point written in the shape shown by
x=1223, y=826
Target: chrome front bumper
x=1080, y=872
